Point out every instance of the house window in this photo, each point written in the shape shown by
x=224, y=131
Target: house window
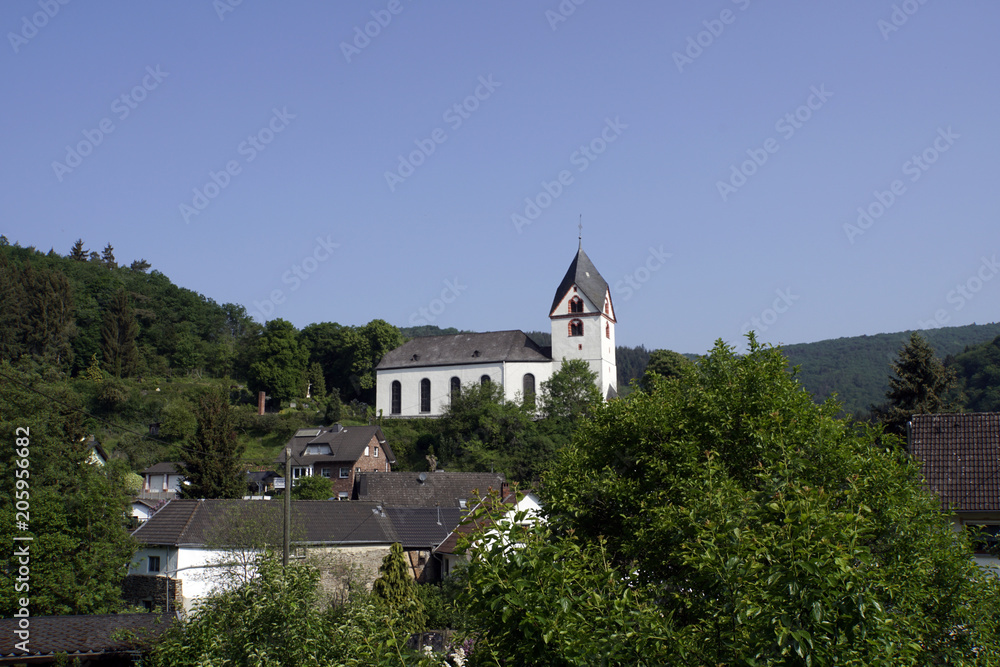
x=366, y=450
x=607, y=307
x=345, y=473
x=528, y=388
x=342, y=495
x=315, y=450
x=300, y=471
x=325, y=472
x=397, y=397
x=462, y=503
x=357, y=469
x=147, y=605
x=575, y=328
x=456, y=388
x=576, y=305
x=984, y=537
x=425, y=395
x=376, y=452
x=484, y=380
x=154, y=564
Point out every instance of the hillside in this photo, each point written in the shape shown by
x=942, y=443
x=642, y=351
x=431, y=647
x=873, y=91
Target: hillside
x=857, y=369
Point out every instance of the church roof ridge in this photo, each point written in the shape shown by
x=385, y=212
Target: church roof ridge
x=464, y=348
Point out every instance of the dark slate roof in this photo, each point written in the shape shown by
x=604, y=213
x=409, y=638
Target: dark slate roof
x=438, y=489
x=465, y=348
x=961, y=458
x=423, y=527
x=165, y=468
x=587, y=279
x=476, y=521
x=81, y=636
x=221, y=523
x=347, y=443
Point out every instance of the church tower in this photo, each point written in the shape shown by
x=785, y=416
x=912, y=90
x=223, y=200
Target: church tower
x=583, y=322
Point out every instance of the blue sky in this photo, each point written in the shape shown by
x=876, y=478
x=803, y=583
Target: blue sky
x=428, y=162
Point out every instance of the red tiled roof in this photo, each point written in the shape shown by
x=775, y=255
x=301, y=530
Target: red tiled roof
x=960, y=454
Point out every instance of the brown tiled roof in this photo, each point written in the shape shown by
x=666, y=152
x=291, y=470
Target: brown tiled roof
x=466, y=348
x=347, y=443
x=81, y=636
x=960, y=454
x=221, y=523
x=423, y=527
x=437, y=489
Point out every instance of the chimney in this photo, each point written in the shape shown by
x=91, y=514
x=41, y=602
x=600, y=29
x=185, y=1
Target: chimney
x=260, y=403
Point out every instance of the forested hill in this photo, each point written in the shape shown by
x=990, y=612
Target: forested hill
x=857, y=369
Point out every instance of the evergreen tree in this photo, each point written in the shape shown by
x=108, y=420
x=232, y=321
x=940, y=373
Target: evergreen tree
x=108, y=257
x=212, y=463
x=140, y=265
x=317, y=381
x=920, y=385
x=118, y=337
x=397, y=590
x=78, y=253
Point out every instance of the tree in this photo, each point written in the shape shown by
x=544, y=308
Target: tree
x=397, y=590
x=920, y=385
x=78, y=253
x=665, y=364
x=108, y=257
x=571, y=392
x=317, y=382
x=978, y=368
x=370, y=343
x=212, y=464
x=280, y=362
x=312, y=488
x=140, y=265
x=118, y=337
x=81, y=548
x=750, y=526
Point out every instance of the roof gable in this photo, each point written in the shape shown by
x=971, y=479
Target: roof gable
x=587, y=279
x=960, y=457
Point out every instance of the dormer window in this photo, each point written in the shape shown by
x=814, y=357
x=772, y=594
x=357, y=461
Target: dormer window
x=475, y=353
x=575, y=328
x=576, y=305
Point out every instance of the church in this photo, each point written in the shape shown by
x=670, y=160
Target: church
x=418, y=378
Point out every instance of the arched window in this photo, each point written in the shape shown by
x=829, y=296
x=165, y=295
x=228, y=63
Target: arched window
x=528, y=389
x=607, y=330
x=484, y=379
x=456, y=388
x=575, y=328
x=397, y=397
x=576, y=305
x=425, y=395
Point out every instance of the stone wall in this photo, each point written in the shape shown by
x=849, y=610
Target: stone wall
x=342, y=568
x=138, y=589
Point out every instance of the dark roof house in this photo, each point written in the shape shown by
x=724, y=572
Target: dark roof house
x=338, y=453
x=427, y=489
x=100, y=639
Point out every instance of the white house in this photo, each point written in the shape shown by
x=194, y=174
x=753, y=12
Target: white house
x=419, y=378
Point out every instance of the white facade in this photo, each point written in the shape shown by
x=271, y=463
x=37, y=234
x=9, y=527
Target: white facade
x=593, y=340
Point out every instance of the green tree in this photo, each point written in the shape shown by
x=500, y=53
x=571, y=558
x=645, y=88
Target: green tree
x=212, y=463
x=118, y=337
x=140, y=265
x=920, y=384
x=317, y=381
x=312, y=488
x=81, y=548
x=978, y=369
x=78, y=253
x=397, y=590
x=752, y=527
x=665, y=364
x=280, y=362
x=571, y=392
x=108, y=257
x=370, y=343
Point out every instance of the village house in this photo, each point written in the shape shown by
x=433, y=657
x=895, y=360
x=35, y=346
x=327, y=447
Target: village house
x=960, y=458
x=190, y=547
x=338, y=453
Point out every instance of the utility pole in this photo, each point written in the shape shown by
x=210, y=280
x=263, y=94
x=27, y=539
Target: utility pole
x=287, y=537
